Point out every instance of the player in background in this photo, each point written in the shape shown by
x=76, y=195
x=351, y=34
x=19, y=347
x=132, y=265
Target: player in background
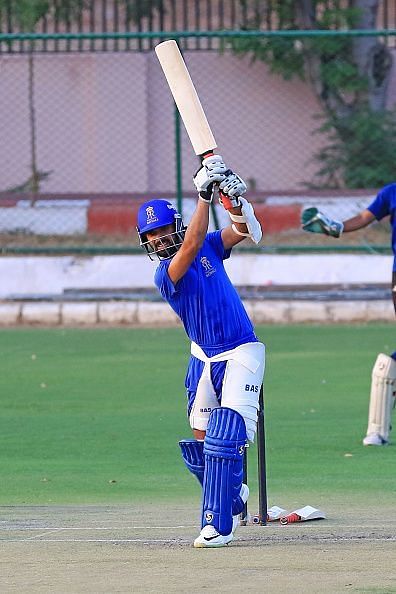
x=383, y=385
x=226, y=366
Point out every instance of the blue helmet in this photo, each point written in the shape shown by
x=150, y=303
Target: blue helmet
x=154, y=215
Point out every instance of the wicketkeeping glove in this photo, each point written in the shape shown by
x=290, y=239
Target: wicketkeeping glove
x=314, y=221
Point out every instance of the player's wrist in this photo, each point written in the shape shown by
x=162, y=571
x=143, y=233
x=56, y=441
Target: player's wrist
x=204, y=197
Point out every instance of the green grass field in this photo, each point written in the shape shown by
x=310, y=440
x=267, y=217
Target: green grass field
x=94, y=416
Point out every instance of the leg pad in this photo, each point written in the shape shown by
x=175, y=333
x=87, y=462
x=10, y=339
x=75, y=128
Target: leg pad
x=193, y=456
x=224, y=448
x=382, y=400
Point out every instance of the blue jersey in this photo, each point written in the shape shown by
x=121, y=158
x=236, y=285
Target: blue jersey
x=383, y=205
x=206, y=301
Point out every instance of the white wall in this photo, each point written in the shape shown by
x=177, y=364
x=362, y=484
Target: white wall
x=22, y=276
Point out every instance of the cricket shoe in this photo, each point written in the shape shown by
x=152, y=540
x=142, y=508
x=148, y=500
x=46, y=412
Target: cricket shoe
x=374, y=439
x=210, y=538
x=244, y=495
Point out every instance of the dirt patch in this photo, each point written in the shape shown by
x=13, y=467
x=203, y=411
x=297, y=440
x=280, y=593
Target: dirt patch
x=102, y=549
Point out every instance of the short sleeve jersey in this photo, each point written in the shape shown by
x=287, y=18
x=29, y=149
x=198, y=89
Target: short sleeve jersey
x=383, y=205
x=206, y=301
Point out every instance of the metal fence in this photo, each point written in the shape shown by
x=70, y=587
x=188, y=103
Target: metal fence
x=87, y=137
x=145, y=16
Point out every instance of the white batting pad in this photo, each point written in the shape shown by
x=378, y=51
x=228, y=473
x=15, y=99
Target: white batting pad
x=382, y=400
x=205, y=401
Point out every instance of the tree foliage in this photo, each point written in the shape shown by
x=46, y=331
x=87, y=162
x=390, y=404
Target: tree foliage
x=348, y=75
x=25, y=14
x=364, y=157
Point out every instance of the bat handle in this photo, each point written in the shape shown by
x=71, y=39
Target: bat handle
x=208, y=153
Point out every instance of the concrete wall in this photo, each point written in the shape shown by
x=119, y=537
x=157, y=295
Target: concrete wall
x=23, y=277
x=140, y=313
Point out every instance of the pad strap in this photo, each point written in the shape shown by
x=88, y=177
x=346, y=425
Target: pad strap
x=237, y=218
x=239, y=232
x=249, y=219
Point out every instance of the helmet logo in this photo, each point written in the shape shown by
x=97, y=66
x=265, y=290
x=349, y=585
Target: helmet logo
x=151, y=216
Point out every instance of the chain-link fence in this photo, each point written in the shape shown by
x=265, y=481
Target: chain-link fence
x=306, y=118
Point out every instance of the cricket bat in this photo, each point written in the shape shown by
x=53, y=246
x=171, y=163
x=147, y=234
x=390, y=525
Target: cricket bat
x=186, y=97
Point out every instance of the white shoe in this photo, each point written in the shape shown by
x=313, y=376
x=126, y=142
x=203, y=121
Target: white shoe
x=374, y=439
x=209, y=537
x=244, y=495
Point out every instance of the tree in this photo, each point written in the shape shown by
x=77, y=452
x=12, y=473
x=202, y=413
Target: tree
x=348, y=75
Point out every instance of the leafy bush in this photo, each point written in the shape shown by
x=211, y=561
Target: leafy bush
x=361, y=151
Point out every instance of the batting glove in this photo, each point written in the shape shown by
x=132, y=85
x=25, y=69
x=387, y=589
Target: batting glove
x=207, y=195
x=233, y=185
x=314, y=221
x=212, y=170
x=231, y=188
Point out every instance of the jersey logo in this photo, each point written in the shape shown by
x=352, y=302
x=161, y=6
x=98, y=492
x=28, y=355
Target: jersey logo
x=151, y=216
x=251, y=388
x=205, y=410
x=207, y=266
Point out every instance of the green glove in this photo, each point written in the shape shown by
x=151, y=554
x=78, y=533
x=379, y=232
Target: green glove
x=314, y=221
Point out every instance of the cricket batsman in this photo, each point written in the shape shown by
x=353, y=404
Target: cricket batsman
x=226, y=366
x=383, y=385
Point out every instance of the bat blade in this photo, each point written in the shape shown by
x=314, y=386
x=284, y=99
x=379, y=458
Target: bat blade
x=186, y=97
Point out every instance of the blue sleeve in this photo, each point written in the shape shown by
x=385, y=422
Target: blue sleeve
x=380, y=207
x=163, y=282
x=217, y=244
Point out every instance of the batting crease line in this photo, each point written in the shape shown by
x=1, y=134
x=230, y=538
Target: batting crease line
x=109, y=540
x=31, y=538
x=172, y=527
x=52, y=529
x=181, y=541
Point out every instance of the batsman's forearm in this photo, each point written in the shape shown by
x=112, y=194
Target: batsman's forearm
x=198, y=226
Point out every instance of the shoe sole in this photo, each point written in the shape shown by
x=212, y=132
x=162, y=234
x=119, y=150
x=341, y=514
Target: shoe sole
x=211, y=545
